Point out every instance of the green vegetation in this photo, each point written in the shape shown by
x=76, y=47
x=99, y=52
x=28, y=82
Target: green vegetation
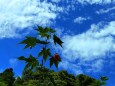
x=51, y=78
x=36, y=74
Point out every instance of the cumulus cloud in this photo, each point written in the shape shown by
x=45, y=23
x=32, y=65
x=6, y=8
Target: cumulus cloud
x=19, y=15
x=80, y=19
x=90, y=48
x=93, y=43
x=102, y=11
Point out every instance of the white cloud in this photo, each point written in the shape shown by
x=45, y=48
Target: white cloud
x=93, y=43
x=87, y=1
x=80, y=19
x=19, y=15
x=71, y=67
x=102, y=11
x=95, y=66
x=56, y=1
x=96, y=1
x=13, y=61
x=90, y=48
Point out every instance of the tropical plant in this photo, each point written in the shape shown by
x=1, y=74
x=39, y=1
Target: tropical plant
x=43, y=33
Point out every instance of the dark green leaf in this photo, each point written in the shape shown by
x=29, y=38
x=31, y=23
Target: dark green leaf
x=56, y=63
x=51, y=61
x=30, y=42
x=28, y=65
x=104, y=78
x=45, y=32
x=31, y=62
x=45, y=53
x=42, y=42
x=57, y=40
x=41, y=52
x=50, y=30
x=22, y=58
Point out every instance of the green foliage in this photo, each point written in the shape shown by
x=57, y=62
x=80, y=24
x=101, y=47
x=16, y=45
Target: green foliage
x=31, y=62
x=7, y=77
x=30, y=42
x=2, y=83
x=45, y=53
x=18, y=81
x=103, y=80
x=85, y=80
x=42, y=76
x=45, y=32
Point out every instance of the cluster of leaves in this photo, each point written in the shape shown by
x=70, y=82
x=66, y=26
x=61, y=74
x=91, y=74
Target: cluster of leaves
x=7, y=77
x=43, y=33
x=61, y=78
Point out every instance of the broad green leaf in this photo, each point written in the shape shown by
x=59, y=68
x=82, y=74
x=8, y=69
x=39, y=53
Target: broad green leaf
x=22, y=58
x=45, y=35
x=30, y=42
x=56, y=63
x=31, y=62
x=45, y=53
x=28, y=65
x=57, y=40
x=45, y=32
x=51, y=61
x=39, y=29
x=50, y=30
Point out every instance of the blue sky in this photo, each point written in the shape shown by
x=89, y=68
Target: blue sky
x=87, y=28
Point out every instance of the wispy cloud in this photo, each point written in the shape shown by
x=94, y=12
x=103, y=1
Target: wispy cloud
x=90, y=48
x=86, y=1
x=96, y=1
x=19, y=15
x=80, y=19
x=102, y=11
